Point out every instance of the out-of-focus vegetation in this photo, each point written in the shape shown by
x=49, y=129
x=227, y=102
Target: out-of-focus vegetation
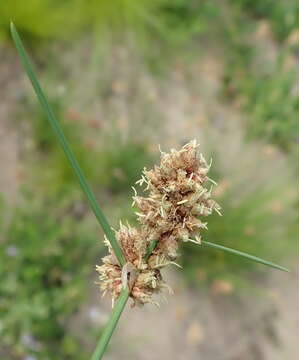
x=272, y=104
x=266, y=87
x=180, y=18
x=45, y=264
x=170, y=20
x=109, y=167
x=283, y=15
x=44, y=274
x=72, y=16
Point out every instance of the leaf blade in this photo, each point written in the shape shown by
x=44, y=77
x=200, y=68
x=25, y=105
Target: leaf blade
x=65, y=146
x=243, y=254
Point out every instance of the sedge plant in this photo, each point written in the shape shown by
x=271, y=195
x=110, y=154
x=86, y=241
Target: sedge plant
x=178, y=200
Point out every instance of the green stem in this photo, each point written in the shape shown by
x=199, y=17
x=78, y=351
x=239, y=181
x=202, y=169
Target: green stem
x=111, y=325
x=66, y=148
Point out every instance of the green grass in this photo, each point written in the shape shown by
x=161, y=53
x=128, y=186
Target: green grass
x=43, y=19
x=44, y=277
x=267, y=95
x=282, y=15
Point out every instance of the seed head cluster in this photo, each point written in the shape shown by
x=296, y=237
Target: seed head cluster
x=173, y=212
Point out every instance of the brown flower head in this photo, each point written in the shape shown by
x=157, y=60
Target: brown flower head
x=173, y=212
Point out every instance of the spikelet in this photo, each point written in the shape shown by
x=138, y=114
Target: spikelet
x=173, y=212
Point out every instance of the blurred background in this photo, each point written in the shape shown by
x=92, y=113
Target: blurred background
x=124, y=76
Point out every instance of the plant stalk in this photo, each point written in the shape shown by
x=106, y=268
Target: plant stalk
x=111, y=325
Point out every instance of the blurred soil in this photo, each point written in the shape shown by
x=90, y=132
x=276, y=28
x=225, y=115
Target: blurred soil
x=214, y=324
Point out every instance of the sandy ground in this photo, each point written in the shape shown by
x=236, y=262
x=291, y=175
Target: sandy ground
x=202, y=325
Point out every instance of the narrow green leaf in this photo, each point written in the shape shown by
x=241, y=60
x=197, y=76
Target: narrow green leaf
x=110, y=327
x=66, y=148
x=247, y=256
